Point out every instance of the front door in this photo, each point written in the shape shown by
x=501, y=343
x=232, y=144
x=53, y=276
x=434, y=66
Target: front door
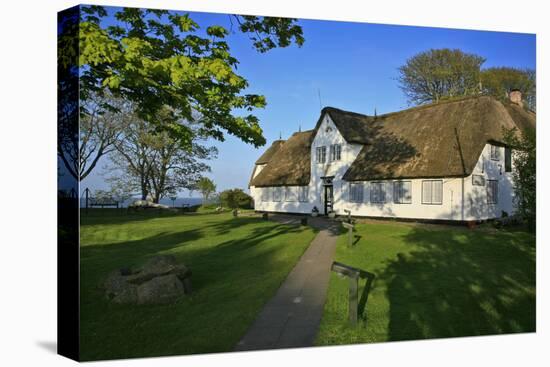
x=329, y=198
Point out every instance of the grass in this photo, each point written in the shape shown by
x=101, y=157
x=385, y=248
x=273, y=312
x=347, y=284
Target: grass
x=433, y=282
x=237, y=264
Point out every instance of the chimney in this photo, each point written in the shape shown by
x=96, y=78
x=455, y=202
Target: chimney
x=515, y=97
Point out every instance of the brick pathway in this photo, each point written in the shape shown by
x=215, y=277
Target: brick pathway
x=291, y=318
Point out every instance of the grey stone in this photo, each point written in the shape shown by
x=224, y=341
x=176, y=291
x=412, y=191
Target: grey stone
x=159, y=280
x=162, y=289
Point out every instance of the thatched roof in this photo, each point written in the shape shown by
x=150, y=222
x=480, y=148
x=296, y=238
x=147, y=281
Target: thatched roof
x=268, y=154
x=437, y=140
x=289, y=165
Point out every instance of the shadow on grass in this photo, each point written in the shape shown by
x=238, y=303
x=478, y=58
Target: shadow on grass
x=461, y=284
x=362, y=305
x=236, y=269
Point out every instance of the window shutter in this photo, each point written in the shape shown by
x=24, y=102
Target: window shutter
x=437, y=192
x=407, y=192
x=426, y=192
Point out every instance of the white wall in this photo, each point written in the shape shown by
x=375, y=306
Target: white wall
x=315, y=192
x=461, y=199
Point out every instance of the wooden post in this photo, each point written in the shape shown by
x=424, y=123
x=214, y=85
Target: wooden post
x=348, y=212
x=353, y=294
x=349, y=226
x=353, y=274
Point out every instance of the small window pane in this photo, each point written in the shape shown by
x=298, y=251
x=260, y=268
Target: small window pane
x=377, y=193
x=291, y=194
x=492, y=192
x=432, y=192
x=356, y=192
x=277, y=193
x=302, y=193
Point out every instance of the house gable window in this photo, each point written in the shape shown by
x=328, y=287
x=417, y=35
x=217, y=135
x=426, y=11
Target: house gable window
x=303, y=194
x=508, y=159
x=277, y=193
x=432, y=192
x=377, y=193
x=335, y=152
x=356, y=192
x=291, y=193
x=495, y=153
x=321, y=154
x=492, y=192
x=402, y=193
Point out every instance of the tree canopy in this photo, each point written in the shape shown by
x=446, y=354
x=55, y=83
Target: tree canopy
x=524, y=173
x=432, y=75
x=158, y=58
x=499, y=81
x=206, y=187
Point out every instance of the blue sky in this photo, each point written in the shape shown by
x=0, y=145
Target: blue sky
x=352, y=65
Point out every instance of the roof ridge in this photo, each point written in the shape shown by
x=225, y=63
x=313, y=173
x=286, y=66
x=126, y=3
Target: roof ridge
x=413, y=108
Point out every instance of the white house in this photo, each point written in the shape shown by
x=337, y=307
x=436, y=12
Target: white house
x=444, y=161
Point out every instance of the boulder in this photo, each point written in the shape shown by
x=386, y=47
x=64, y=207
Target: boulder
x=160, y=290
x=118, y=290
x=159, y=280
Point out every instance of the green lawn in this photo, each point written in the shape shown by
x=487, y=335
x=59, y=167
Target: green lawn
x=237, y=265
x=434, y=282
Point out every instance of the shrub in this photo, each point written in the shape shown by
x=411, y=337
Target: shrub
x=236, y=198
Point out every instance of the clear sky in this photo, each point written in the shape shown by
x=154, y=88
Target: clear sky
x=352, y=65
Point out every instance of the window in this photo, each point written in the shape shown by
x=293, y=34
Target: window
x=356, y=192
x=321, y=154
x=432, y=192
x=291, y=193
x=377, y=192
x=508, y=159
x=495, y=153
x=277, y=193
x=335, y=152
x=265, y=194
x=302, y=194
x=492, y=191
x=402, y=192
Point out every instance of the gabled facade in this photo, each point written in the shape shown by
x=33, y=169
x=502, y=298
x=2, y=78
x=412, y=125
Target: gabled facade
x=445, y=161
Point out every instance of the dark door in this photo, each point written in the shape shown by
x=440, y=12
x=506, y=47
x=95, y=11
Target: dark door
x=329, y=198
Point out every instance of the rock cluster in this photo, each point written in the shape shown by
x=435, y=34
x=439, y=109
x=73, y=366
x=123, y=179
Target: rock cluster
x=160, y=280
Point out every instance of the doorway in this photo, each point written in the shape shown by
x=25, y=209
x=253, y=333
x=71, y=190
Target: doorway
x=329, y=198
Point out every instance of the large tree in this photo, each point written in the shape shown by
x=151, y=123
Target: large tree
x=437, y=74
x=499, y=81
x=155, y=164
x=158, y=58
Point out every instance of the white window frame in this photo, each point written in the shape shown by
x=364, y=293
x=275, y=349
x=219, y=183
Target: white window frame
x=291, y=193
x=277, y=194
x=399, y=193
x=303, y=192
x=432, y=200
x=321, y=154
x=356, y=192
x=335, y=152
x=492, y=191
x=377, y=192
